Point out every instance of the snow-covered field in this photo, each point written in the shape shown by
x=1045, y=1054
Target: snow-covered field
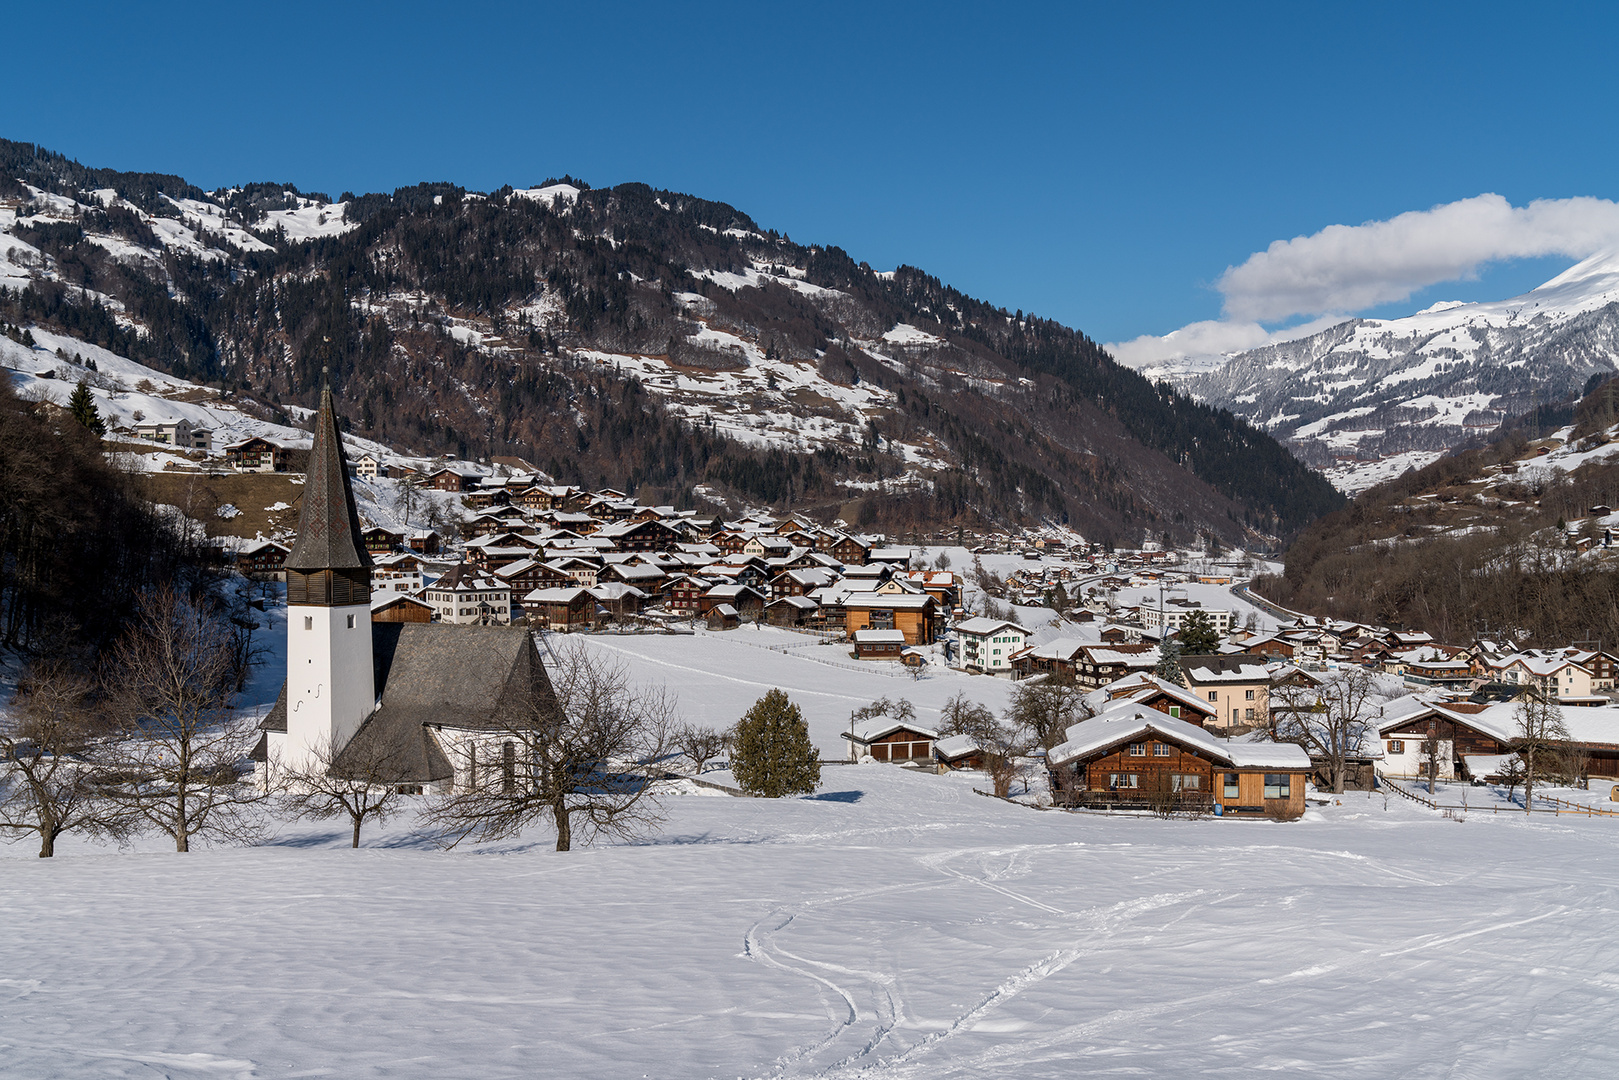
x=894, y=924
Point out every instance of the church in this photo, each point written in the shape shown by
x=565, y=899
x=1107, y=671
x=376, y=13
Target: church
x=422, y=706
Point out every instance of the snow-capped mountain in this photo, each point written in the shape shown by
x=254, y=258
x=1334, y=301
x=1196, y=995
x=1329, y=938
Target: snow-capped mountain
x=1373, y=395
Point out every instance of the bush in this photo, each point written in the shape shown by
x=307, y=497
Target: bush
x=772, y=755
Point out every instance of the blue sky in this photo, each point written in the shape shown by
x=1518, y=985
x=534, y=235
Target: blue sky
x=1099, y=164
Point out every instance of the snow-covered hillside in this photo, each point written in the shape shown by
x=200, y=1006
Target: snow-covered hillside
x=1356, y=394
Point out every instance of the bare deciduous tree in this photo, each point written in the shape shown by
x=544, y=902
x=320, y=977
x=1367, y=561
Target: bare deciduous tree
x=1002, y=746
x=175, y=760
x=700, y=744
x=359, y=780
x=579, y=765
x=47, y=783
x=1048, y=707
x=1542, y=734
x=1331, y=720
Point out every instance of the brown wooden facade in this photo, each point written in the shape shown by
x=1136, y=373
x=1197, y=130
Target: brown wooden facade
x=1151, y=770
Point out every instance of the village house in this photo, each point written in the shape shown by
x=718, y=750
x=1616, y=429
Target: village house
x=256, y=455
x=1059, y=657
x=1236, y=684
x=987, y=645
x=791, y=611
x=178, y=433
x=399, y=572
x=881, y=738
x=562, y=608
x=878, y=644
x=1455, y=740
x=379, y=540
x=261, y=558
x=391, y=607
x=1098, y=665
x=1130, y=756
x=915, y=615
x=367, y=466
x=448, y=479
x=467, y=596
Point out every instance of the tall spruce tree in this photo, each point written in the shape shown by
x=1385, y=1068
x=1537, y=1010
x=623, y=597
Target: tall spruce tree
x=1197, y=635
x=1169, y=662
x=773, y=755
x=83, y=406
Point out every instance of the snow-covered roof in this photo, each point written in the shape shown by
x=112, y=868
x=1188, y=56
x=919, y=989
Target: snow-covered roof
x=1129, y=719
x=875, y=727
x=897, y=601
x=879, y=637
x=980, y=626
x=956, y=746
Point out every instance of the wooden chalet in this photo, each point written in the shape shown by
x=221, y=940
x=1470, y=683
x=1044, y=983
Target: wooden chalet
x=1457, y=740
x=380, y=541
x=257, y=454
x=884, y=739
x=448, y=479
x=791, y=611
x=849, y=551
x=1133, y=757
x=570, y=608
x=649, y=535
x=878, y=644
x=264, y=557
x=958, y=752
x=400, y=608
x=723, y=617
x=915, y=615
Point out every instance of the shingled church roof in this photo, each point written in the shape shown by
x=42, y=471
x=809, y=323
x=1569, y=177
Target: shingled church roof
x=469, y=678
x=328, y=524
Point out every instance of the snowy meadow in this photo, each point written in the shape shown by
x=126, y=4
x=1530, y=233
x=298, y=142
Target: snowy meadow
x=892, y=924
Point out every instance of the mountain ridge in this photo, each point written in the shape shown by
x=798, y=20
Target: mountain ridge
x=638, y=337
x=1365, y=391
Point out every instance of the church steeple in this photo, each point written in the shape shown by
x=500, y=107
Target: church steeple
x=328, y=563
x=331, y=686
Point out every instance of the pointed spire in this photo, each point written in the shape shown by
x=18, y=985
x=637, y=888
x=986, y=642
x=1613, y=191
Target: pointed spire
x=328, y=524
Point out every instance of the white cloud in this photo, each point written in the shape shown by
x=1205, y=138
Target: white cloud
x=1348, y=268
x=1353, y=267
x=1212, y=337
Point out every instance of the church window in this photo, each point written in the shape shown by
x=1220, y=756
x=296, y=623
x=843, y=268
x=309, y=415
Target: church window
x=309, y=622
x=351, y=622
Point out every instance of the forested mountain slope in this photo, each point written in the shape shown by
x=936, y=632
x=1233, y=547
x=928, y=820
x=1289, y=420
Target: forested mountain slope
x=652, y=341
x=1515, y=539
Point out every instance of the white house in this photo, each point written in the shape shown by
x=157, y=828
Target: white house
x=467, y=596
x=1174, y=613
x=987, y=645
x=180, y=433
x=400, y=572
x=367, y=466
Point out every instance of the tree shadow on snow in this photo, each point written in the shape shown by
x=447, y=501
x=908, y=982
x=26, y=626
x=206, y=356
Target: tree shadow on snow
x=309, y=840
x=836, y=796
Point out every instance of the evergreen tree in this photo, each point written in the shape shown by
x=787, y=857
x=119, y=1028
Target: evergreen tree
x=1169, y=662
x=83, y=406
x=773, y=755
x=1197, y=634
